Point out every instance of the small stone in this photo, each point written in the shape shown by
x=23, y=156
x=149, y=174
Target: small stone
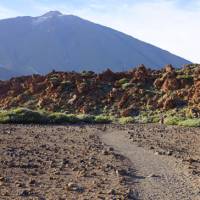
x=93, y=174
x=122, y=180
x=112, y=191
x=74, y=187
x=152, y=176
x=25, y=193
x=75, y=169
x=130, y=194
x=110, y=149
x=21, y=185
x=32, y=182
x=169, y=153
x=71, y=185
x=157, y=153
x=105, y=152
x=65, y=161
x=121, y=172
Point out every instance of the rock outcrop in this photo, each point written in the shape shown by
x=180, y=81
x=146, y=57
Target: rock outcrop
x=121, y=93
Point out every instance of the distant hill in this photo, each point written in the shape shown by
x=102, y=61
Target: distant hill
x=66, y=42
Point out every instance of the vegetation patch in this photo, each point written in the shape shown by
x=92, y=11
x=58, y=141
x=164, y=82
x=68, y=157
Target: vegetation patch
x=127, y=85
x=23, y=116
x=60, y=118
x=190, y=123
x=126, y=120
x=173, y=120
x=86, y=118
x=103, y=119
x=27, y=116
x=123, y=81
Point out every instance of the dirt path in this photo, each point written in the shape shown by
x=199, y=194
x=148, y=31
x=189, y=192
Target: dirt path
x=156, y=177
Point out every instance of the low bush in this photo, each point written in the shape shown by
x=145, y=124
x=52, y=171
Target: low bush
x=123, y=81
x=86, y=118
x=144, y=119
x=172, y=120
x=126, y=120
x=101, y=119
x=60, y=118
x=23, y=116
x=155, y=119
x=185, y=76
x=4, y=118
x=190, y=123
x=127, y=85
x=27, y=116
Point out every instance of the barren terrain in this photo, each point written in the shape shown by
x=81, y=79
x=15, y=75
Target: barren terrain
x=99, y=162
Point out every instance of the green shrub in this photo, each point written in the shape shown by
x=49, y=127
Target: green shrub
x=4, y=117
x=127, y=85
x=87, y=73
x=126, y=120
x=27, y=116
x=144, y=119
x=123, y=81
x=185, y=76
x=102, y=119
x=60, y=118
x=86, y=118
x=53, y=78
x=172, y=120
x=23, y=116
x=190, y=123
x=155, y=119
x=66, y=85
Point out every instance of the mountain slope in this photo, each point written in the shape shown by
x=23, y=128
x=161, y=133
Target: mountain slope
x=6, y=73
x=66, y=42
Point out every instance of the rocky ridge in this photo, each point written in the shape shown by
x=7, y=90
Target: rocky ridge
x=119, y=94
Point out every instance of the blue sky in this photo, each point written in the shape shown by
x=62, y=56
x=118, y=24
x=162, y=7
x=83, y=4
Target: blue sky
x=173, y=25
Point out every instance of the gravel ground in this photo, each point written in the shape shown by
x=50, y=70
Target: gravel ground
x=60, y=162
x=157, y=177
x=151, y=162
x=181, y=143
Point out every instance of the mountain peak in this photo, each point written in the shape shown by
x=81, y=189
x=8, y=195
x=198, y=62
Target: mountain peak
x=52, y=14
x=69, y=43
x=47, y=16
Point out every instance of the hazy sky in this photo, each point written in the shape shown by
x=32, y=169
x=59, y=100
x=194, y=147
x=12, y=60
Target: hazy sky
x=173, y=25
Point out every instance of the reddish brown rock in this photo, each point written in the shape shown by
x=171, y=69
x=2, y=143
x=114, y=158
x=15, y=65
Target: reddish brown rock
x=169, y=68
x=89, y=92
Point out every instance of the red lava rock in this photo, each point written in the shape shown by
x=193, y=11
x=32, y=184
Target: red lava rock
x=87, y=92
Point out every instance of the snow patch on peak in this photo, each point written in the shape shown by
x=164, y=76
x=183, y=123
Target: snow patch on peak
x=47, y=16
x=52, y=14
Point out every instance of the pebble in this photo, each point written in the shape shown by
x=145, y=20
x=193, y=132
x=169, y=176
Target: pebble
x=25, y=193
x=110, y=149
x=152, y=176
x=105, y=152
x=74, y=187
x=112, y=191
